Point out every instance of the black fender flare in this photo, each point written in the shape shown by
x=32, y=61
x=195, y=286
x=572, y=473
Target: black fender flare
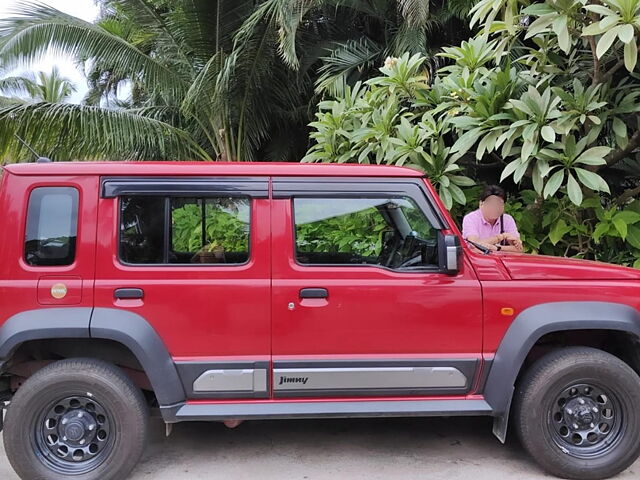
x=41, y=324
x=134, y=332
x=532, y=324
x=121, y=326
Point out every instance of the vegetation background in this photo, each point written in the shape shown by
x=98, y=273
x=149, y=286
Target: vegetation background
x=540, y=96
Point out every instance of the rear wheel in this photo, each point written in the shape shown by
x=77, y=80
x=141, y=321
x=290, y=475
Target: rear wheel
x=577, y=413
x=80, y=419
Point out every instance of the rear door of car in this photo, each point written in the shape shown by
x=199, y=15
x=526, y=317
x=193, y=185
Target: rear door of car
x=191, y=255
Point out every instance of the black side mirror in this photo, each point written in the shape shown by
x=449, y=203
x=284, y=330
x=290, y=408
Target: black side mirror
x=449, y=252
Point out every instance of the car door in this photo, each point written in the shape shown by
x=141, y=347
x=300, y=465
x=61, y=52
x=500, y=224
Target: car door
x=192, y=257
x=361, y=305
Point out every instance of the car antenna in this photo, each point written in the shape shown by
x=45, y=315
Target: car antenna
x=39, y=159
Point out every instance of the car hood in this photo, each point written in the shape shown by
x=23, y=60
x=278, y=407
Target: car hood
x=542, y=267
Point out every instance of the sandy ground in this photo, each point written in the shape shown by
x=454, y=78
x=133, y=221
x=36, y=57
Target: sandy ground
x=407, y=449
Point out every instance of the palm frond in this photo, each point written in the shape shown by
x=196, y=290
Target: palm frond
x=148, y=16
x=40, y=28
x=67, y=132
x=346, y=61
x=414, y=12
x=17, y=85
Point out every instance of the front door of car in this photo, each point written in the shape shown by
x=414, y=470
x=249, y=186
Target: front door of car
x=361, y=306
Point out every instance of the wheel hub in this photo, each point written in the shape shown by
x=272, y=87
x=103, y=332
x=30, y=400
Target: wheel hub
x=77, y=426
x=74, y=434
x=585, y=420
x=581, y=411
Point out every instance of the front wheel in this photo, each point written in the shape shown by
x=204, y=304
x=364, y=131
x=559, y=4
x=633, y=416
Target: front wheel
x=80, y=419
x=577, y=413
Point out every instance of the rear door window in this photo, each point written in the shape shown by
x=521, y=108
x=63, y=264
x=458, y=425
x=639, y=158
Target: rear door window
x=184, y=230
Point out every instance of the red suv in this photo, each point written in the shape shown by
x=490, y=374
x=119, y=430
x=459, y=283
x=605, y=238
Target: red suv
x=229, y=291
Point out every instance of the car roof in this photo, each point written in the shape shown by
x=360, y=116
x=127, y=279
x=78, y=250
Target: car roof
x=173, y=168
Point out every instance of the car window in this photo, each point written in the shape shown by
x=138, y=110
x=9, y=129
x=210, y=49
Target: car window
x=211, y=230
x=389, y=232
x=52, y=223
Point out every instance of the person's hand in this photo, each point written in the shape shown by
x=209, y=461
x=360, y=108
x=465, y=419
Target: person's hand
x=513, y=240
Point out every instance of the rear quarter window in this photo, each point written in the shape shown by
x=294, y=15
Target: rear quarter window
x=52, y=224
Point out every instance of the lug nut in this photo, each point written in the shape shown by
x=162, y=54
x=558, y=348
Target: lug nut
x=82, y=441
x=569, y=411
x=575, y=426
x=581, y=401
x=64, y=421
x=595, y=409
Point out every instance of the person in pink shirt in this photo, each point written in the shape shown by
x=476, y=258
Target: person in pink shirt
x=490, y=226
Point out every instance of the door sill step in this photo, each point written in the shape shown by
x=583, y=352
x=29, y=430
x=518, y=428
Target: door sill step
x=326, y=409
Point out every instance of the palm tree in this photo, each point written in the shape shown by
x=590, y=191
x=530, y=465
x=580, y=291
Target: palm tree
x=230, y=79
x=41, y=87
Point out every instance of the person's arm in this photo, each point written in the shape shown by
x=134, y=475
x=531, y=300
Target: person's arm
x=512, y=235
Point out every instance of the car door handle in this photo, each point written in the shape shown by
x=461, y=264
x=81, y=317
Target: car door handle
x=128, y=293
x=314, y=293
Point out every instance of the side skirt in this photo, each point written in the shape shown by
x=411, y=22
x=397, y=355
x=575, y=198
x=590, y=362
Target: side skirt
x=325, y=409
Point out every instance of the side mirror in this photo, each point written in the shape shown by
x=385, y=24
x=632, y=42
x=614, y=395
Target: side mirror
x=450, y=251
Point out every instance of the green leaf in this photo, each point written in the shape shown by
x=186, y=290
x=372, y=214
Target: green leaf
x=509, y=169
x=553, y=184
x=548, y=133
x=628, y=216
x=600, y=9
x=626, y=33
x=466, y=141
x=607, y=40
x=559, y=229
x=593, y=156
x=630, y=55
x=592, y=180
x=573, y=190
x=633, y=237
x=621, y=227
x=539, y=25
x=601, y=229
x=593, y=29
x=562, y=31
x=527, y=149
x=619, y=127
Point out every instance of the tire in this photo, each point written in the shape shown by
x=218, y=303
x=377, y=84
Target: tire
x=577, y=413
x=80, y=419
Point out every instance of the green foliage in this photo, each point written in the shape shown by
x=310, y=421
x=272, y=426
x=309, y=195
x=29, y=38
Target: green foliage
x=543, y=93
x=224, y=226
x=216, y=79
x=359, y=233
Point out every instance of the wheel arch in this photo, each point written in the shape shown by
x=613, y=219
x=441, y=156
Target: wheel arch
x=121, y=327
x=534, y=323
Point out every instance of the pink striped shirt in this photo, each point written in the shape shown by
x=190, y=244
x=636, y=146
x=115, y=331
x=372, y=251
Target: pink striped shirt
x=475, y=225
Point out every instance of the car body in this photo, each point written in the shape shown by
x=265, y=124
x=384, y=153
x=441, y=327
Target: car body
x=399, y=316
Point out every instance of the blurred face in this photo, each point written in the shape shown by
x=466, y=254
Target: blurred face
x=492, y=207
